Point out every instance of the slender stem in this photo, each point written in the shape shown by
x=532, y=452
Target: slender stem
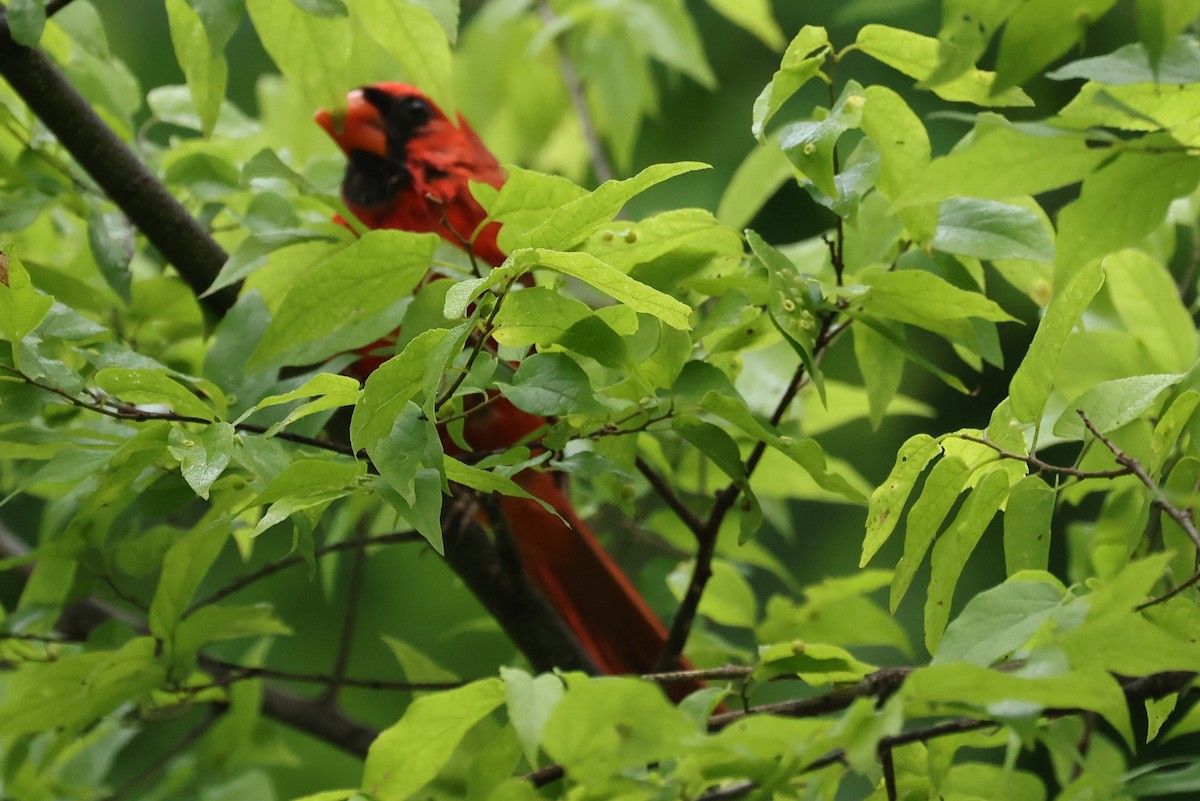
x=669, y=497
x=685, y=616
x=1182, y=517
x=1033, y=461
x=126, y=790
x=233, y=672
x=350, y=620
x=480, y=343
x=291, y=561
x=600, y=164
x=1169, y=594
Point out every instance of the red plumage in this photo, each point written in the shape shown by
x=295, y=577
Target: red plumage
x=409, y=168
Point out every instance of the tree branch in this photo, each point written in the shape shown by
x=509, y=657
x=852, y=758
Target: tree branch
x=144, y=200
x=329, y=725
x=685, y=616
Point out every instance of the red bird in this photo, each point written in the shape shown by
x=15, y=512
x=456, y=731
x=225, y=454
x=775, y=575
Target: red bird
x=408, y=168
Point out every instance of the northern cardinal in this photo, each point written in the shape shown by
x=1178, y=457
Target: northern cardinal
x=408, y=167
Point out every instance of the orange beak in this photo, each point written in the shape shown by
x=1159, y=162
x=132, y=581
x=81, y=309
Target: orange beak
x=359, y=127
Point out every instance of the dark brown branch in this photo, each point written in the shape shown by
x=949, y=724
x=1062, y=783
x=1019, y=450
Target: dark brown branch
x=141, y=197
x=667, y=493
x=521, y=610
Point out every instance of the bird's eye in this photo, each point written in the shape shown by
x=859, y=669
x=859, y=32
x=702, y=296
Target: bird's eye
x=414, y=110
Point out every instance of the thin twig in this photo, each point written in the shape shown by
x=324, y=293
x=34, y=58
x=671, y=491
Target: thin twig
x=667, y=493
x=1169, y=594
x=685, y=615
x=480, y=342
x=1033, y=461
x=349, y=621
x=274, y=567
x=1182, y=517
x=889, y=771
x=233, y=672
x=159, y=765
x=129, y=412
x=600, y=164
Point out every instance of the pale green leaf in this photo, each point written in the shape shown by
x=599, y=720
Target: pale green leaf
x=917, y=57
x=991, y=230
x=612, y=282
x=361, y=280
x=998, y=621
x=1027, y=519
x=1031, y=384
x=1112, y=404
x=955, y=546
x=409, y=754
x=410, y=34
x=888, y=500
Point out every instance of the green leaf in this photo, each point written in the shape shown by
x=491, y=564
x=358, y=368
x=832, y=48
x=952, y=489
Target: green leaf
x=714, y=442
x=999, y=621
x=410, y=34
x=1171, y=424
x=203, y=65
x=603, y=726
x=955, y=546
x=332, y=9
x=728, y=598
x=311, y=51
x=416, y=370
x=904, y=152
x=991, y=230
x=550, y=384
x=330, y=391
x=1001, y=160
x=756, y=180
x=530, y=701
x=183, y=568
x=888, y=500
x=76, y=689
x=1031, y=384
x=942, y=488
x=26, y=20
x=221, y=623
x=945, y=689
x=487, y=481
x=801, y=63
x=1112, y=404
x=411, y=444
x=807, y=453
x=22, y=307
x=1147, y=299
x=917, y=57
x=1093, y=226
x=152, y=386
x=1027, y=519
x=1159, y=22
x=111, y=241
x=361, y=280
x=811, y=144
x=793, y=298
x=526, y=200
x=571, y=223
x=612, y=282
x=918, y=297
x=1133, y=63
x=1039, y=32
x=881, y=365
x=409, y=754
x=753, y=15
x=813, y=663
x=967, y=28
x=203, y=457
